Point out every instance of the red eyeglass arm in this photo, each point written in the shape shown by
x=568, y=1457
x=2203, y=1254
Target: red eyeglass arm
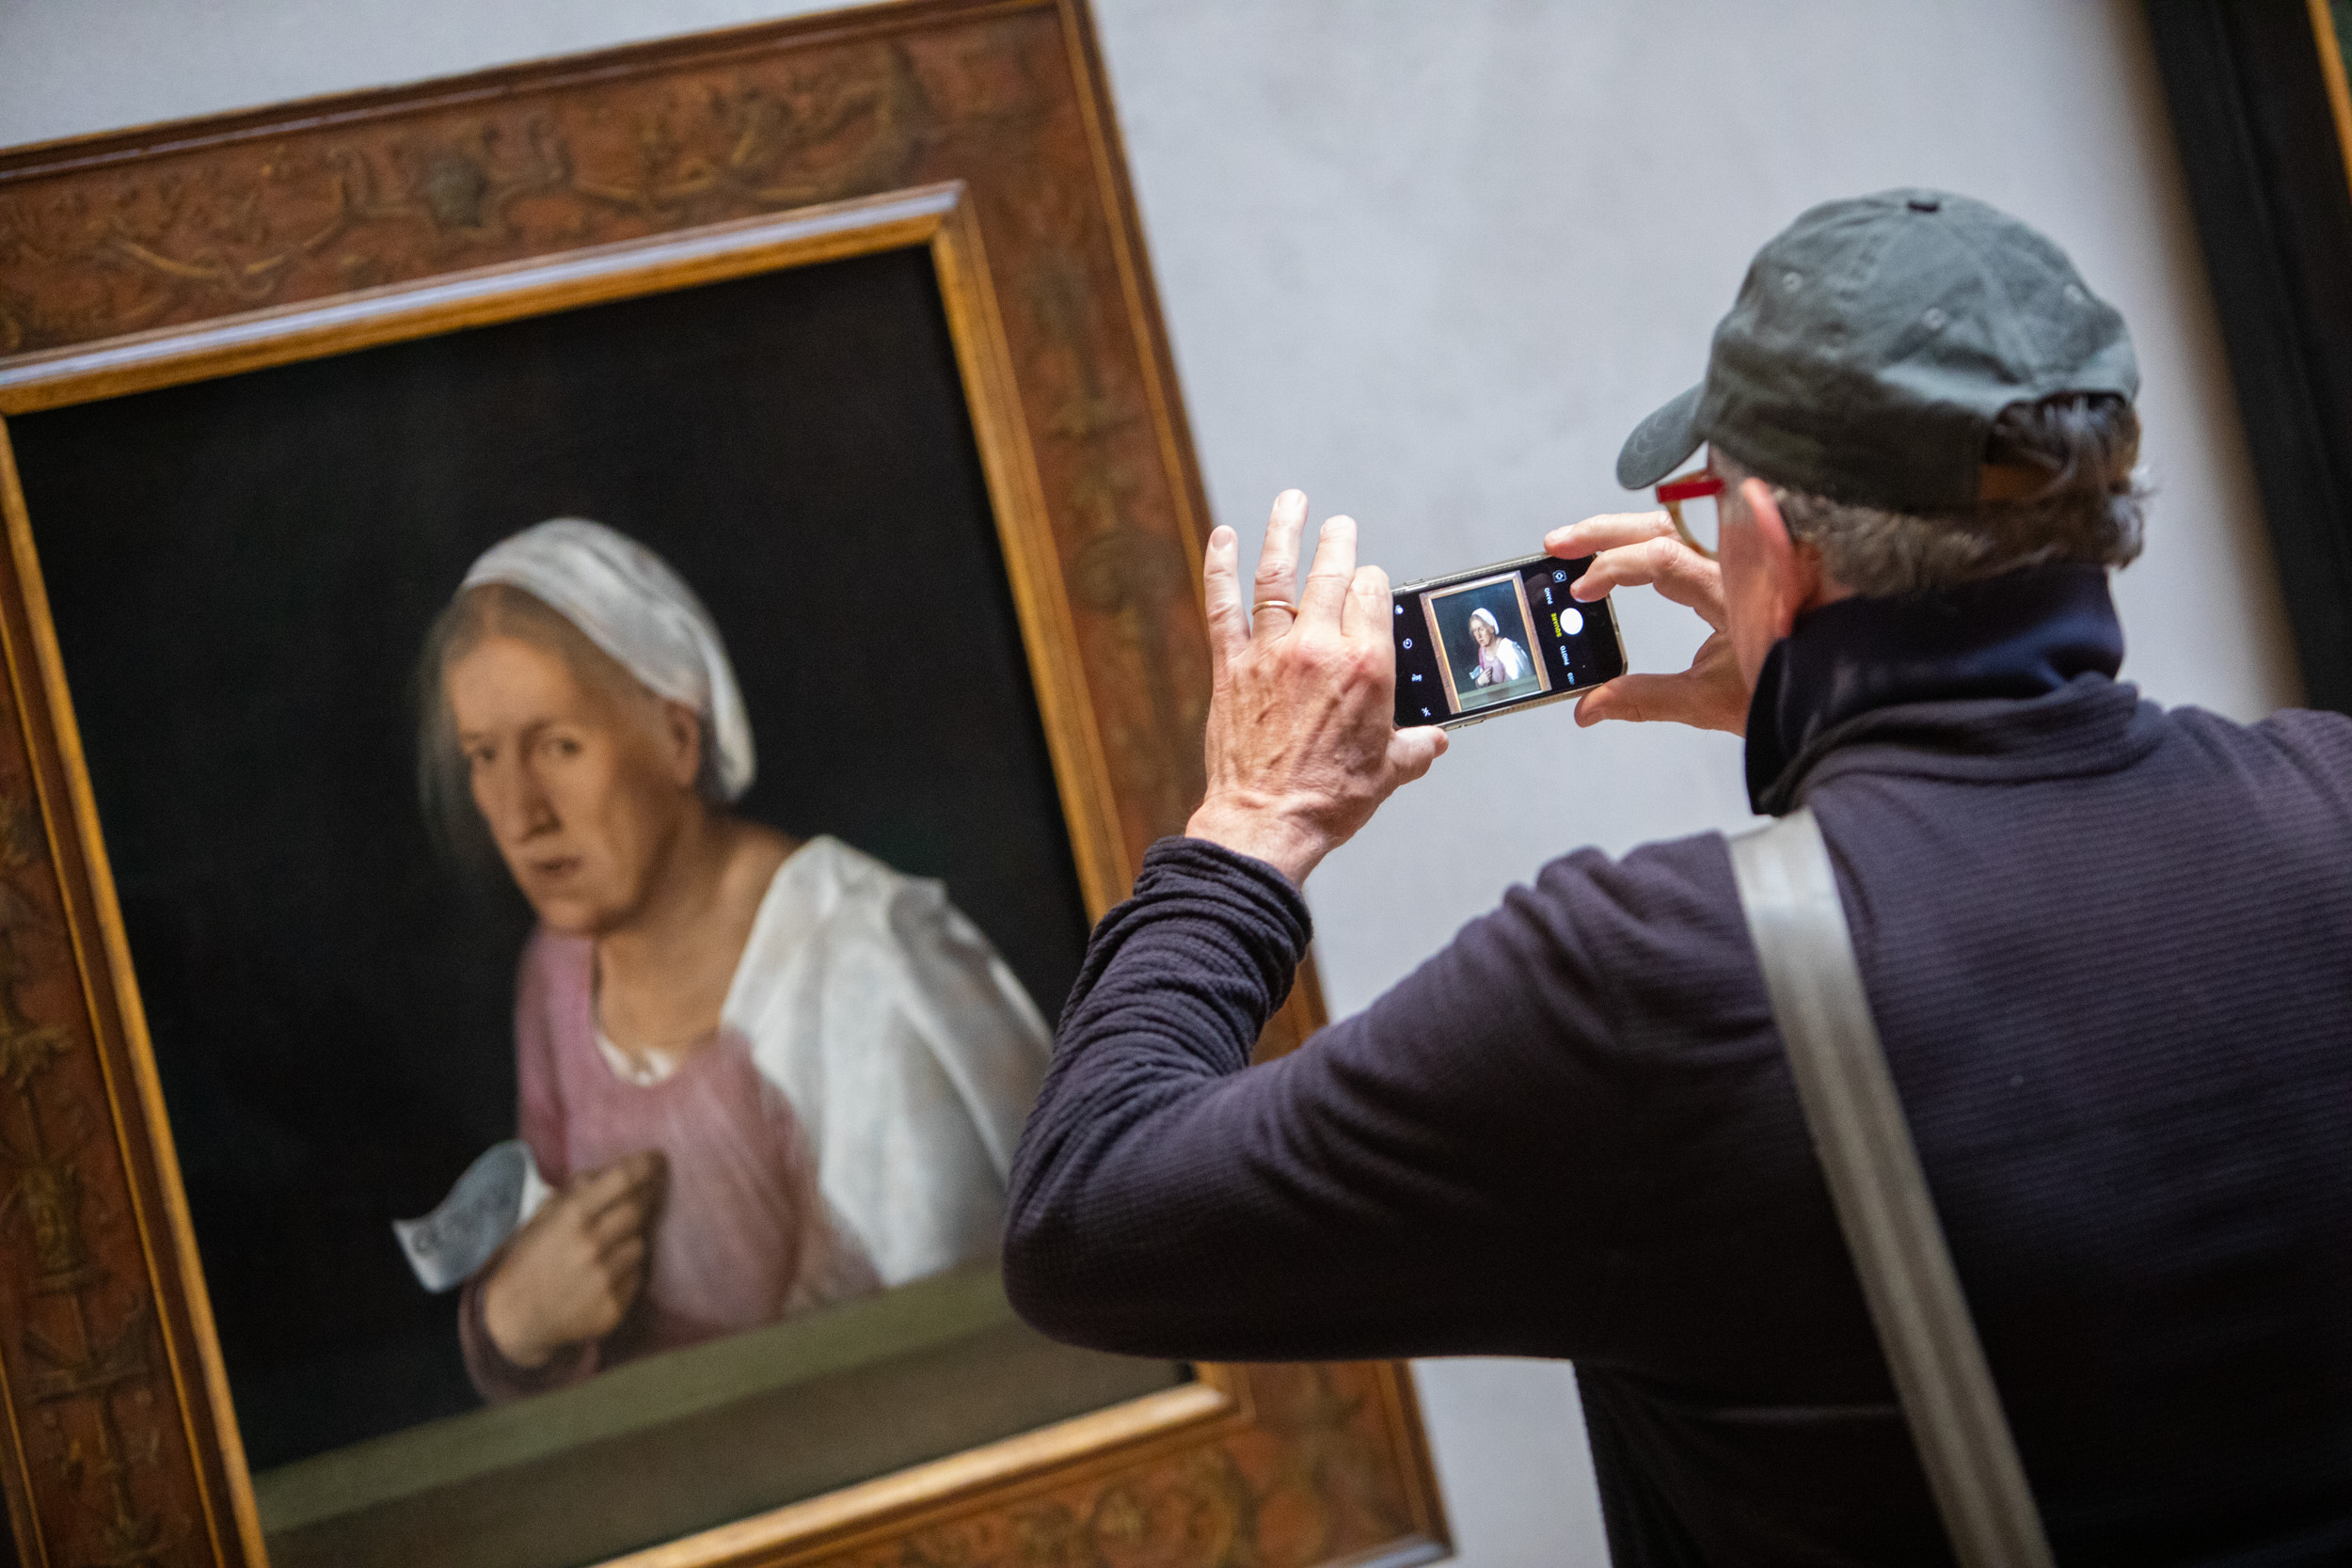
x=1689, y=489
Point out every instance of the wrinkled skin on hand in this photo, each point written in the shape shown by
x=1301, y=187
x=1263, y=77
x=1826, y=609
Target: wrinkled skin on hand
x=1641, y=550
x=1750, y=597
x=1302, y=738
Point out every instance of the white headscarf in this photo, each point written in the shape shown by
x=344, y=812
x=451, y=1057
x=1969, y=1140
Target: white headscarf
x=626, y=601
x=1482, y=613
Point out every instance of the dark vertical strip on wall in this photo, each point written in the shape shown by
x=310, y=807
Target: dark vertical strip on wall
x=2267, y=178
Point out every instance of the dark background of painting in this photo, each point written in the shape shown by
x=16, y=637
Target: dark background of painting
x=242, y=572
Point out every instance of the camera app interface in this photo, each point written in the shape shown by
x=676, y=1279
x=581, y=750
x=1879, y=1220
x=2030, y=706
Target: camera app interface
x=1498, y=639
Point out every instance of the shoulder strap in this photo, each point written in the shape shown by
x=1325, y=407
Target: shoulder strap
x=1789, y=895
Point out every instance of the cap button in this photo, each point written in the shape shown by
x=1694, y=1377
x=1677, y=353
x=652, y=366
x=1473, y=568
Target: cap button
x=1925, y=204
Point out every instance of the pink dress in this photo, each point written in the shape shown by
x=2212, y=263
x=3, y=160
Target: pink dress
x=743, y=1237
x=1499, y=663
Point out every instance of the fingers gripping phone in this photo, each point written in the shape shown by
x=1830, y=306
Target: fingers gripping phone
x=1497, y=640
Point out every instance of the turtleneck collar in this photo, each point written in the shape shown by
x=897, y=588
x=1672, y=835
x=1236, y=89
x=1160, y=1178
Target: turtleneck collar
x=2021, y=635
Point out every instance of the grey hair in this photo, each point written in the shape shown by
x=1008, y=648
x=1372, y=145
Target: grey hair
x=2090, y=508
x=499, y=610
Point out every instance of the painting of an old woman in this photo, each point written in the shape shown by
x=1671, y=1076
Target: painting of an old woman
x=760, y=1074
x=1499, y=660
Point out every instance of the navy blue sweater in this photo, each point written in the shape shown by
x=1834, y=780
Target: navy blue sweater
x=2110, y=952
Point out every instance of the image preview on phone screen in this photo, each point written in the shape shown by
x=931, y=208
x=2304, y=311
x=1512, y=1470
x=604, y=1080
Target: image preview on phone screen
x=1497, y=638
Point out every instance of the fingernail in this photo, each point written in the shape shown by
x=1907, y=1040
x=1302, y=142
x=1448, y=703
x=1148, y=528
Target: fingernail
x=1221, y=534
x=1291, y=498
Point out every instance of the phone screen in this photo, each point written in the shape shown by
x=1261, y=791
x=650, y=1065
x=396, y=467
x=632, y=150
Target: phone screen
x=1499, y=638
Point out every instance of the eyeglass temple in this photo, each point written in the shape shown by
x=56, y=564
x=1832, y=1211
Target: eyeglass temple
x=1683, y=487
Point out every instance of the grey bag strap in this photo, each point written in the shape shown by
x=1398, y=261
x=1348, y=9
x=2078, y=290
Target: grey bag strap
x=1789, y=895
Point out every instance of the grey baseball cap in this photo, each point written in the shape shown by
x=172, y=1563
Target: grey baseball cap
x=1873, y=342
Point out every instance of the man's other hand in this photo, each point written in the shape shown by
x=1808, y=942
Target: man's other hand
x=1303, y=744
x=1639, y=550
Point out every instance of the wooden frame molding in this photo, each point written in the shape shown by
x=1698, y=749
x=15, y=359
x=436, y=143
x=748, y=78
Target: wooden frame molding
x=978, y=129
x=2264, y=128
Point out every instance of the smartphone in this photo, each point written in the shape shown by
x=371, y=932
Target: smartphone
x=1498, y=639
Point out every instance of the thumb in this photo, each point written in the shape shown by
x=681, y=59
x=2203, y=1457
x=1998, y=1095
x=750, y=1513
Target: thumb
x=1411, y=752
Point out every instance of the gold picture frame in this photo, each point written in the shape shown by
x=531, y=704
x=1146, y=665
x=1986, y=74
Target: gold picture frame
x=2331, y=41
x=977, y=131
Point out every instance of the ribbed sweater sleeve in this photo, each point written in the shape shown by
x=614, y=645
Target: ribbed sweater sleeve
x=1177, y=983
x=1387, y=1189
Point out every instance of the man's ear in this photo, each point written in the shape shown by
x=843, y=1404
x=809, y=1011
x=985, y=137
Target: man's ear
x=1793, y=576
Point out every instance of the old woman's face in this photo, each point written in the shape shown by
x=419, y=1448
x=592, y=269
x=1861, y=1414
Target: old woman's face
x=584, y=793
x=1480, y=630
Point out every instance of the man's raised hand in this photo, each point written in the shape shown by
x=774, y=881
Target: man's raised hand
x=1639, y=550
x=1302, y=742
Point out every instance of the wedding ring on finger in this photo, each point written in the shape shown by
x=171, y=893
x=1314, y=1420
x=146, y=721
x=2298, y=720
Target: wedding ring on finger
x=1273, y=604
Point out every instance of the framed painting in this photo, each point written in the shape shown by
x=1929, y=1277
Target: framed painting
x=584, y=644
x=2263, y=122
x=1482, y=631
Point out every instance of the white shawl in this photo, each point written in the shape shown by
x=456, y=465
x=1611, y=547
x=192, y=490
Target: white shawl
x=908, y=1050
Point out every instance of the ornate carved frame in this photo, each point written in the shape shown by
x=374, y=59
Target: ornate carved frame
x=980, y=129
